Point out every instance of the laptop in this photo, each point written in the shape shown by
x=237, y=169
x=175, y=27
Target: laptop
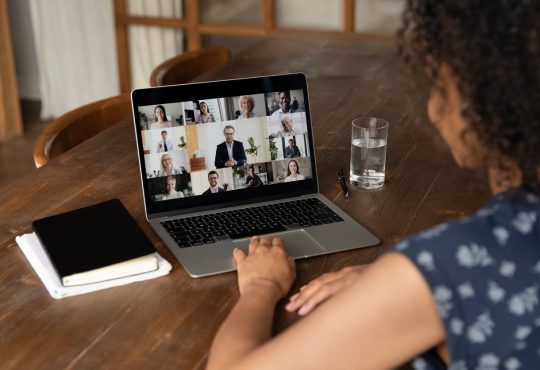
x=225, y=160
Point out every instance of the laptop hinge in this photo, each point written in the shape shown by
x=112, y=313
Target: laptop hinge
x=221, y=206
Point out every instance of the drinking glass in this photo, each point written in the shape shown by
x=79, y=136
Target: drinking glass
x=368, y=152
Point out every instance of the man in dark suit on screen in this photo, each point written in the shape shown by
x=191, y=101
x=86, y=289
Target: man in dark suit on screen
x=230, y=152
x=213, y=182
x=292, y=151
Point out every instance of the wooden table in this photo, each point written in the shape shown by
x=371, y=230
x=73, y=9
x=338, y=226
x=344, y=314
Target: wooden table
x=170, y=322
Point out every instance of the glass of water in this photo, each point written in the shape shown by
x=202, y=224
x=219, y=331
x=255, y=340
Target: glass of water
x=368, y=152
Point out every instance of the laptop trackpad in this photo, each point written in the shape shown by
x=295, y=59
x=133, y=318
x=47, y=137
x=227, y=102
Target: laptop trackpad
x=298, y=243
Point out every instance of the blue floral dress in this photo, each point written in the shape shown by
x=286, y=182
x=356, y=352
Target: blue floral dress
x=484, y=274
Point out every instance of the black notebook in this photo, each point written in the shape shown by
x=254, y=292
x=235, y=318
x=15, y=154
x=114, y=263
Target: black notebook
x=95, y=243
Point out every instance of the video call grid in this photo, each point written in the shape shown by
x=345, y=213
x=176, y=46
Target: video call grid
x=269, y=144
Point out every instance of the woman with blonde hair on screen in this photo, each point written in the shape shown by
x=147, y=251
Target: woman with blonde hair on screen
x=172, y=193
x=246, y=103
x=167, y=166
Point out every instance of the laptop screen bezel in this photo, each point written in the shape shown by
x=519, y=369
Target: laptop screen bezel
x=220, y=89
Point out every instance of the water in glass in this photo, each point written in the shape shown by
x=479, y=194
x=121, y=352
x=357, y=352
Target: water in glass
x=368, y=158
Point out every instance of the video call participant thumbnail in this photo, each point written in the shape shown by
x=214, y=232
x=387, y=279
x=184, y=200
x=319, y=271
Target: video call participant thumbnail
x=172, y=193
x=285, y=106
x=164, y=145
x=286, y=127
x=253, y=180
x=213, y=182
x=246, y=104
x=293, y=172
x=167, y=166
x=161, y=118
x=205, y=116
x=292, y=151
x=230, y=152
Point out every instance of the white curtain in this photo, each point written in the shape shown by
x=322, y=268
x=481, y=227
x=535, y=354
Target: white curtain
x=149, y=46
x=76, y=53
x=76, y=49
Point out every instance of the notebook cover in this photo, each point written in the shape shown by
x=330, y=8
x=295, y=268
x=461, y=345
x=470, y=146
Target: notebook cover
x=92, y=237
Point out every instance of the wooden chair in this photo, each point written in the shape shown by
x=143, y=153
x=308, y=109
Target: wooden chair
x=187, y=66
x=78, y=125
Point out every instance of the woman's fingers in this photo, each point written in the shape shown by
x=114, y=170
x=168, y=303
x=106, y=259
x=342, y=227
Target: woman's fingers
x=253, y=243
x=320, y=289
x=265, y=242
x=322, y=294
x=310, y=290
x=277, y=242
x=238, y=255
x=305, y=303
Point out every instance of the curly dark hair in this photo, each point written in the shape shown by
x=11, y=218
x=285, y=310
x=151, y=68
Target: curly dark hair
x=493, y=51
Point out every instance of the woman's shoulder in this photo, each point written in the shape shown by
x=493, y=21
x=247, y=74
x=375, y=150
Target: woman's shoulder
x=496, y=240
x=483, y=273
x=499, y=239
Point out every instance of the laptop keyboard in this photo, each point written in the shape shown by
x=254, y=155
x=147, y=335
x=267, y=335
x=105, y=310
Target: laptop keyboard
x=242, y=223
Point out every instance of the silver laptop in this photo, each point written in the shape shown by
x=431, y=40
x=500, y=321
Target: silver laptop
x=223, y=161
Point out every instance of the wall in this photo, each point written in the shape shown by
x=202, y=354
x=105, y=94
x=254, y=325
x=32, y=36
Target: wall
x=371, y=15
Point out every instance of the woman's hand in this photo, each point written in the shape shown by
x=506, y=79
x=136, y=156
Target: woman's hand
x=267, y=266
x=322, y=288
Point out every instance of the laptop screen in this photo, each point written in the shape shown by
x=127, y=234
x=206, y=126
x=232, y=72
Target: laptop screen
x=226, y=141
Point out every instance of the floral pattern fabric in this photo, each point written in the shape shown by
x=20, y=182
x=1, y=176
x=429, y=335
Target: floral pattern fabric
x=484, y=274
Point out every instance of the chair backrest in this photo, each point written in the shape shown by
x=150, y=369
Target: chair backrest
x=78, y=125
x=186, y=67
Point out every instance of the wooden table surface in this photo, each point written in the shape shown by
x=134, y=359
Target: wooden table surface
x=170, y=322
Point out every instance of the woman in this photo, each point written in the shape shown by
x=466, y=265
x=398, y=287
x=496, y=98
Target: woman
x=253, y=180
x=465, y=293
x=293, y=172
x=171, y=189
x=161, y=118
x=205, y=116
x=167, y=167
x=246, y=104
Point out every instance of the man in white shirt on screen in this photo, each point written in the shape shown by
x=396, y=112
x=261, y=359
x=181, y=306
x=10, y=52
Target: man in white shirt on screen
x=164, y=145
x=285, y=104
